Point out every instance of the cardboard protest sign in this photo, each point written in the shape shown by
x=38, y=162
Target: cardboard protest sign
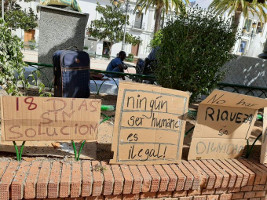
x=263, y=158
x=49, y=118
x=224, y=122
x=149, y=124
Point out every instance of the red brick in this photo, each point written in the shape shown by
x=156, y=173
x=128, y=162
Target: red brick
x=241, y=170
x=247, y=188
x=94, y=198
x=30, y=183
x=128, y=179
x=260, y=194
x=258, y=187
x=172, y=176
x=255, y=169
x=231, y=190
x=148, y=195
x=164, y=178
x=255, y=199
x=7, y=179
x=87, y=178
x=212, y=197
x=64, y=190
x=219, y=176
x=179, y=193
x=229, y=171
x=249, y=194
x=113, y=197
x=263, y=169
x=108, y=179
x=75, y=186
x=203, y=175
x=225, y=197
x=203, y=197
x=208, y=191
x=53, y=184
x=43, y=179
x=155, y=178
x=226, y=176
x=251, y=173
x=238, y=195
x=146, y=178
x=189, y=177
x=194, y=192
x=185, y=198
x=119, y=180
x=181, y=177
x=98, y=178
x=3, y=167
x=221, y=190
x=211, y=175
x=130, y=197
x=197, y=179
x=18, y=182
x=164, y=194
x=239, y=175
x=137, y=180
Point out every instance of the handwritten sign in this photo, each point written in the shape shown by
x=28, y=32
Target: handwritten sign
x=43, y=118
x=263, y=158
x=224, y=122
x=149, y=125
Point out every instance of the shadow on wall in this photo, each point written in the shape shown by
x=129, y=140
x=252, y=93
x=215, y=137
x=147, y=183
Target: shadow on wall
x=59, y=29
x=247, y=71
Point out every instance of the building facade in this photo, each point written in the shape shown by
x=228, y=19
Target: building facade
x=140, y=25
x=253, y=33
x=252, y=38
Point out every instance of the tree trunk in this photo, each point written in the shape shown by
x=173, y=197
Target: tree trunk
x=237, y=16
x=158, y=19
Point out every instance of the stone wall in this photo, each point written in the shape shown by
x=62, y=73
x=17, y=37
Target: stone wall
x=59, y=29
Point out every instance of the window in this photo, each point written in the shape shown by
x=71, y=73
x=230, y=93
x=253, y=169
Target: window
x=138, y=20
x=248, y=24
x=243, y=45
x=259, y=27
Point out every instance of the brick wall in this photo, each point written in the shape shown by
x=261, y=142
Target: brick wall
x=188, y=180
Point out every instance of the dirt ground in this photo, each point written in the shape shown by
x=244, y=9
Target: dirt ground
x=101, y=149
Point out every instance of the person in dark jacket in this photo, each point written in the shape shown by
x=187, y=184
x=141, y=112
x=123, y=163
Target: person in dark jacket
x=117, y=64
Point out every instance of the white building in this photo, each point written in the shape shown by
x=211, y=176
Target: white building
x=253, y=33
x=251, y=43
x=141, y=25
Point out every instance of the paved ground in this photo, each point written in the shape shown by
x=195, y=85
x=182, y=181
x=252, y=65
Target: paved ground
x=96, y=63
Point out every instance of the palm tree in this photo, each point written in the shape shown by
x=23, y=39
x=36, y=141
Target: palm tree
x=160, y=6
x=239, y=7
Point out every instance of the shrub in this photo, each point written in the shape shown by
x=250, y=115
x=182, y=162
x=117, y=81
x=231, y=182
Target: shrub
x=11, y=62
x=32, y=44
x=155, y=42
x=193, y=49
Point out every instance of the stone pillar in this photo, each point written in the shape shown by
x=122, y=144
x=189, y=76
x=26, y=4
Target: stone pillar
x=58, y=29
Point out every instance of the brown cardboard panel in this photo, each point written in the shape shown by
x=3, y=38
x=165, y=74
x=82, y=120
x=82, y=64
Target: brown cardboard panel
x=49, y=118
x=229, y=99
x=215, y=148
x=263, y=158
x=149, y=124
x=224, y=122
x=223, y=117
